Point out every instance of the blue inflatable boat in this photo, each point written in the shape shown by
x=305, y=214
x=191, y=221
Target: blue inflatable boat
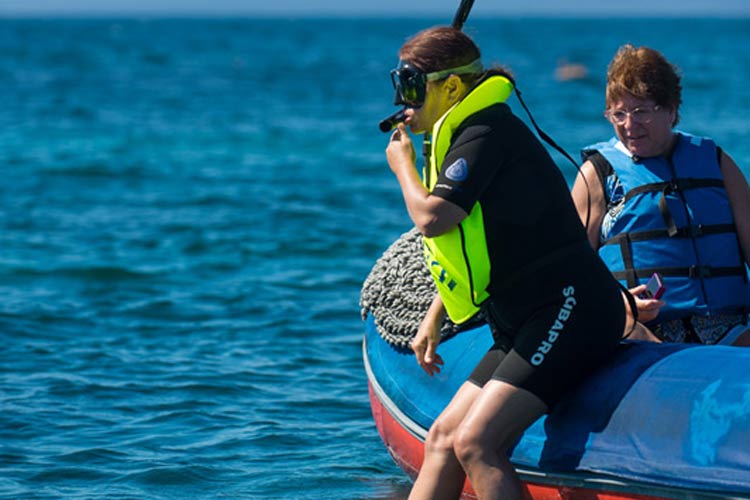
x=660, y=421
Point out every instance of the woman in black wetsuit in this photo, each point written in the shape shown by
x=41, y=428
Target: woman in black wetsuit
x=503, y=239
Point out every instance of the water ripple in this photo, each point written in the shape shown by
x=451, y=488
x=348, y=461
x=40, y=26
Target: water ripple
x=188, y=215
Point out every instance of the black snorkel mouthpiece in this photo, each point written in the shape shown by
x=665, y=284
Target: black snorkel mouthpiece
x=409, y=84
x=388, y=124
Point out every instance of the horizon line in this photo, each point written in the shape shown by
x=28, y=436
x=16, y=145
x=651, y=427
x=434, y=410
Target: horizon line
x=368, y=14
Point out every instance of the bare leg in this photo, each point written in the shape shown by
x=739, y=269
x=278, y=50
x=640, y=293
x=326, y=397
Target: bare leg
x=441, y=476
x=499, y=415
x=641, y=332
x=742, y=340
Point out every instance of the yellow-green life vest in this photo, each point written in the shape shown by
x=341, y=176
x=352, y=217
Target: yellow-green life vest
x=459, y=260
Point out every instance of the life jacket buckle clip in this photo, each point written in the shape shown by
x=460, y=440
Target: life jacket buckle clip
x=699, y=272
x=695, y=231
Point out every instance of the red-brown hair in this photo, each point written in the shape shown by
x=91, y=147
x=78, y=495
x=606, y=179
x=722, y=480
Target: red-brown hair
x=444, y=47
x=644, y=73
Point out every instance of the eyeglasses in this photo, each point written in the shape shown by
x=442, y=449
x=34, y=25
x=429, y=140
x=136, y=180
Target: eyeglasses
x=410, y=82
x=638, y=115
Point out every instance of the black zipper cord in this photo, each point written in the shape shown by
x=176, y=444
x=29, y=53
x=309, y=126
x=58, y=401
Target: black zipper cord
x=549, y=140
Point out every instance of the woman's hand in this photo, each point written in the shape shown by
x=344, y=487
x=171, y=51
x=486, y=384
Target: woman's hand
x=648, y=309
x=400, y=151
x=427, y=339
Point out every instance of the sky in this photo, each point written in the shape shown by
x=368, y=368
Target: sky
x=391, y=8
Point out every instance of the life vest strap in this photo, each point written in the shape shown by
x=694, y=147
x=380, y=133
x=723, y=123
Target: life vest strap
x=669, y=187
x=666, y=214
x=674, y=186
x=627, y=259
x=682, y=232
x=690, y=272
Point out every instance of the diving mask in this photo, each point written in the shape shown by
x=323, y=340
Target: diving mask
x=410, y=82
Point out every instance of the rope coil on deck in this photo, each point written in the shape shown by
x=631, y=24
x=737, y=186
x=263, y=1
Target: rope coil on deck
x=399, y=290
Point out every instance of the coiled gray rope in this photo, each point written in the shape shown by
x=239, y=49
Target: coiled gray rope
x=399, y=290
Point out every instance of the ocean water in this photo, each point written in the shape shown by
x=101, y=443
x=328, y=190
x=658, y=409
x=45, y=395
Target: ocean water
x=188, y=210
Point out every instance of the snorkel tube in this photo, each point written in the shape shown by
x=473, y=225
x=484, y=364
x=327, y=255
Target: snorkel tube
x=388, y=124
x=462, y=13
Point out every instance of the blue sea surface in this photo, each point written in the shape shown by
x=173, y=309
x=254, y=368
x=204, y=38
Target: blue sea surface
x=188, y=210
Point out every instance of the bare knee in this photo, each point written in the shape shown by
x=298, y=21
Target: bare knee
x=467, y=445
x=440, y=437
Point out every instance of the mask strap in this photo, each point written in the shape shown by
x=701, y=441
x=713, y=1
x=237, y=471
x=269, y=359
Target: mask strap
x=474, y=66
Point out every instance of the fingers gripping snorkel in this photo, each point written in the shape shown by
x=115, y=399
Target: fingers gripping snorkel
x=409, y=82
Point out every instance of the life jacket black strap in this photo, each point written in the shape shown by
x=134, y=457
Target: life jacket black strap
x=426, y=153
x=674, y=186
x=627, y=258
x=690, y=272
x=682, y=232
x=666, y=214
x=465, y=253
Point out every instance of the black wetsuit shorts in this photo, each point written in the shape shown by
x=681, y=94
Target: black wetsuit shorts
x=553, y=325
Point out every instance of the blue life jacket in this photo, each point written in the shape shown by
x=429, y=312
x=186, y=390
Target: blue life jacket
x=676, y=220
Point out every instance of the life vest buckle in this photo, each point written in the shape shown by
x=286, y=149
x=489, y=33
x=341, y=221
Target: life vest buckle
x=699, y=272
x=695, y=231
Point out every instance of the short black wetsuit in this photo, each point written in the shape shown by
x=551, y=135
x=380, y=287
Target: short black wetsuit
x=554, y=306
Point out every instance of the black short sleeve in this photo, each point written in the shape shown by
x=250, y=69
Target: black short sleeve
x=497, y=161
x=468, y=168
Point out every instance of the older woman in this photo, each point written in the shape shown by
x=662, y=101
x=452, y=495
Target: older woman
x=501, y=237
x=660, y=201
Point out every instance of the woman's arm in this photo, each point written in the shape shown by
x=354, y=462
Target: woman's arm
x=432, y=215
x=427, y=339
x=588, y=197
x=590, y=200
x=739, y=198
